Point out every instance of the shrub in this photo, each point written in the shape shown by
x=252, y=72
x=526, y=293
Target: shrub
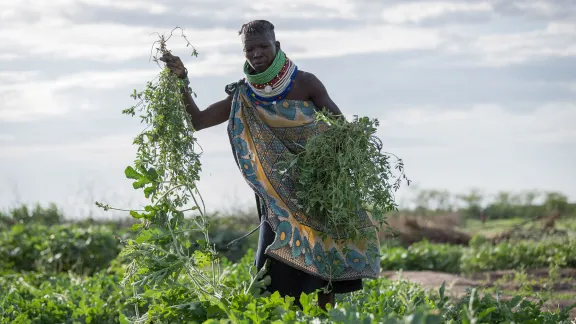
x=57, y=248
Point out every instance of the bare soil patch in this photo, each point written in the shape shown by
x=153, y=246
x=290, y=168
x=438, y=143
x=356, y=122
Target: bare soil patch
x=457, y=285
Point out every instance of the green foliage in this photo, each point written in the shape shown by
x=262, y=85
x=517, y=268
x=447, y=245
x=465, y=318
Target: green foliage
x=477, y=241
x=60, y=248
x=45, y=297
x=5, y=221
x=342, y=174
x=35, y=298
x=167, y=265
x=509, y=205
x=520, y=255
x=39, y=215
x=423, y=256
x=225, y=229
x=475, y=204
x=474, y=307
x=21, y=246
x=61, y=298
x=481, y=256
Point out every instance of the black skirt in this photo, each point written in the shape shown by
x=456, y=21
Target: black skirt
x=289, y=281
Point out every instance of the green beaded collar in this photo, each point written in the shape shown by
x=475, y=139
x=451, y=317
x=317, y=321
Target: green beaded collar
x=271, y=72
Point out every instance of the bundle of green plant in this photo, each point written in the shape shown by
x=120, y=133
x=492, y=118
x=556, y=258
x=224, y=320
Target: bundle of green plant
x=165, y=258
x=345, y=182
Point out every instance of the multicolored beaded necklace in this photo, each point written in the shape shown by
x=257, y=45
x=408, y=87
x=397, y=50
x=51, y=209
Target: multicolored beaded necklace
x=273, y=84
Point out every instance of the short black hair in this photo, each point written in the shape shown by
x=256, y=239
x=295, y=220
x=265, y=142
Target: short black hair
x=257, y=27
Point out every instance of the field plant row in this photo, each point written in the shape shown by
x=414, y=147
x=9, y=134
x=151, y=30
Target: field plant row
x=481, y=255
x=68, y=298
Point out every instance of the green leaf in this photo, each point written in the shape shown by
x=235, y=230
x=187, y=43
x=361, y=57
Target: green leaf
x=135, y=214
x=305, y=301
x=141, y=183
x=145, y=236
x=433, y=319
x=148, y=191
x=18, y=229
x=515, y=301
x=442, y=290
x=149, y=208
x=122, y=318
x=152, y=174
x=486, y=312
x=131, y=173
x=136, y=227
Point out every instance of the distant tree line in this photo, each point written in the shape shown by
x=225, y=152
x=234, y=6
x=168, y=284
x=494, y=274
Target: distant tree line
x=477, y=205
x=426, y=202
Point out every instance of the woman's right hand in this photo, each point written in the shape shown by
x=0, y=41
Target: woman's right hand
x=174, y=64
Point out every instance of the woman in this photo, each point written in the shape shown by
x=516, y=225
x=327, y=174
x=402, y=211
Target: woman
x=271, y=114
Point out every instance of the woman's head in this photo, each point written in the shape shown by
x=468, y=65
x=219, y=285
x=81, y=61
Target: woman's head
x=260, y=44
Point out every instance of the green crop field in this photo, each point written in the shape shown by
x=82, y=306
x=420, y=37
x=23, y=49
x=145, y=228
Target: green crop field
x=57, y=271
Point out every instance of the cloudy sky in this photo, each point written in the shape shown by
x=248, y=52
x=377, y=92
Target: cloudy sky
x=469, y=93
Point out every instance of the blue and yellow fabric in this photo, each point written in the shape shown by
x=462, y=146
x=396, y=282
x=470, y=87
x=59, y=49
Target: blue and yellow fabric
x=263, y=136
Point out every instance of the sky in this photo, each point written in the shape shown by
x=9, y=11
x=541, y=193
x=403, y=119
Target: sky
x=470, y=94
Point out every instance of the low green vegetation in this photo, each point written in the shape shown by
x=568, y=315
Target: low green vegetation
x=39, y=297
x=481, y=256
x=74, y=273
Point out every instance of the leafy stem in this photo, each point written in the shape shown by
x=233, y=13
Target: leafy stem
x=166, y=169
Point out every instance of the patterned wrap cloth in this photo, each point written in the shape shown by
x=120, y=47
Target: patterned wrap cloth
x=264, y=135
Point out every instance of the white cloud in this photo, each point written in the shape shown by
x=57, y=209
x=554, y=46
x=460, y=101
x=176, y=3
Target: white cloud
x=53, y=97
x=561, y=28
x=485, y=146
x=500, y=49
x=96, y=151
x=56, y=37
x=59, y=39
x=118, y=146
x=17, y=76
x=213, y=66
x=415, y=12
x=23, y=104
x=152, y=7
x=6, y=137
x=15, y=10
x=481, y=124
x=366, y=39
x=303, y=9
x=473, y=45
x=486, y=125
x=8, y=56
x=538, y=7
x=254, y=9
x=53, y=35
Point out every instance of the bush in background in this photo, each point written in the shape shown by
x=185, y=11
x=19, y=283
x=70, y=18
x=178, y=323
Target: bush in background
x=58, y=248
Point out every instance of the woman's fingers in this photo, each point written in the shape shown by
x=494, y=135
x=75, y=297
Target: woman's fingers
x=167, y=57
x=173, y=63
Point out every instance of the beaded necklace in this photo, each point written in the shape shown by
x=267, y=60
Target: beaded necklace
x=274, y=83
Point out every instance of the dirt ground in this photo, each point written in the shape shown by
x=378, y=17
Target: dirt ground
x=456, y=285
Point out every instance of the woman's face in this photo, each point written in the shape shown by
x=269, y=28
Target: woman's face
x=260, y=51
